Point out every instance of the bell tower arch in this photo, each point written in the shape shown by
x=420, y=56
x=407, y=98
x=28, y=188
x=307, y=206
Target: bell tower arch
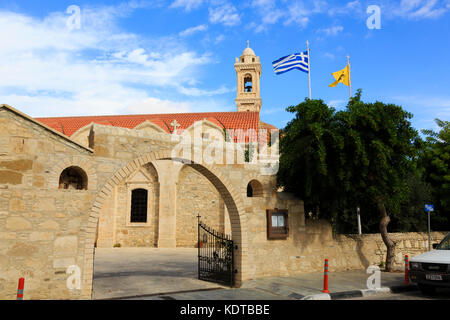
x=248, y=72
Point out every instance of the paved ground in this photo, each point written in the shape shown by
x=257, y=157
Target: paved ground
x=285, y=288
x=312, y=283
x=441, y=294
x=150, y=273
x=126, y=272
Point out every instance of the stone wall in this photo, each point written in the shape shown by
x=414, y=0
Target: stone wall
x=196, y=196
x=127, y=144
x=39, y=239
x=41, y=226
x=274, y=257
x=371, y=250
x=128, y=234
x=312, y=241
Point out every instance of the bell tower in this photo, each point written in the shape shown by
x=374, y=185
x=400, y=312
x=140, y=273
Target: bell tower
x=248, y=72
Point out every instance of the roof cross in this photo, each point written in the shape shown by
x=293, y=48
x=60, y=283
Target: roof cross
x=175, y=125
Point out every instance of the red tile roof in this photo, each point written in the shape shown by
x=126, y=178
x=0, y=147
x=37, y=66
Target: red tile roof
x=226, y=120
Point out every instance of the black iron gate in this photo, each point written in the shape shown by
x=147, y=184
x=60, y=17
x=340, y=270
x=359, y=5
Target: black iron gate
x=215, y=256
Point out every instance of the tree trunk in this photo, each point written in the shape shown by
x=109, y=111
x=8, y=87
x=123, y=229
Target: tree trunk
x=390, y=245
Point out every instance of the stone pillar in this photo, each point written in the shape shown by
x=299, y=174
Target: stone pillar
x=107, y=222
x=167, y=226
x=227, y=223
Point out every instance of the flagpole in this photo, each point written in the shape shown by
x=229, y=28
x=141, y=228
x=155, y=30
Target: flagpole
x=309, y=69
x=349, y=77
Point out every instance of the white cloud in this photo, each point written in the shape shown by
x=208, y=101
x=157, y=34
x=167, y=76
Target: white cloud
x=436, y=102
x=422, y=9
x=219, y=39
x=337, y=104
x=154, y=105
x=188, y=5
x=269, y=13
x=225, y=14
x=415, y=9
x=425, y=109
x=332, y=31
x=263, y=3
x=271, y=111
x=298, y=14
x=98, y=69
x=350, y=8
x=199, y=92
x=329, y=55
x=192, y=30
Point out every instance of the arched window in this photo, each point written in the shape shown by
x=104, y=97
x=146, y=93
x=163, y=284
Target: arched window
x=139, y=199
x=254, y=189
x=248, y=86
x=249, y=190
x=73, y=178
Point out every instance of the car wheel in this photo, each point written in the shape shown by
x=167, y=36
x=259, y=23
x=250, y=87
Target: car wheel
x=427, y=289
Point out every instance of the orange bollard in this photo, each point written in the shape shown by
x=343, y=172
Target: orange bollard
x=406, y=270
x=325, y=278
x=20, y=289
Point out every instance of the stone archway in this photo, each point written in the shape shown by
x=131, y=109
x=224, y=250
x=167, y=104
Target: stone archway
x=230, y=195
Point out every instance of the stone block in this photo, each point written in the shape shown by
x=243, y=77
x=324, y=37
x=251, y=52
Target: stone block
x=17, y=165
x=10, y=177
x=65, y=246
x=63, y=263
x=16, y=204
x=7, y=235
x=38, y=181
x=23, y=250
x=17, y=223
x=45, y=204
x=41, y=236
x=49, y=225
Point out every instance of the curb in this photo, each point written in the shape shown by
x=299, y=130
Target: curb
x=360, y=293
x=164, y=295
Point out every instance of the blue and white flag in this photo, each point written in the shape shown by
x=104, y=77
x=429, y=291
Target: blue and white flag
x=298, y=61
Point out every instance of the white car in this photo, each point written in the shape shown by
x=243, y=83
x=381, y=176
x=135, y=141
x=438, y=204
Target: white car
x=432, y=269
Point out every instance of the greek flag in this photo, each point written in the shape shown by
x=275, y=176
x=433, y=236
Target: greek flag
x=298, y=61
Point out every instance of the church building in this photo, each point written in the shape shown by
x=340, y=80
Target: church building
x=71, y=184
x=156, y=206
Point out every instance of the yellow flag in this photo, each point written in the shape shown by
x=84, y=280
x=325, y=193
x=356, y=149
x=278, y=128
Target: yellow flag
x=342, y=76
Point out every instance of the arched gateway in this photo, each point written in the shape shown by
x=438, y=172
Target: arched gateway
x=229, y=194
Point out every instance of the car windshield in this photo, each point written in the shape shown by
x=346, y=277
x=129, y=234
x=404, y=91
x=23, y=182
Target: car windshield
x=445, y=244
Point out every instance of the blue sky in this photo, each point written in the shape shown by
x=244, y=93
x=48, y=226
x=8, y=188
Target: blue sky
x=177, y=55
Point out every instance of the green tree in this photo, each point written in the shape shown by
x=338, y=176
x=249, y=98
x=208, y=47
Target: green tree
x=411, y=217
x=435, y=160
x=360, y=156
x=380, y=146
x=310, y=148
